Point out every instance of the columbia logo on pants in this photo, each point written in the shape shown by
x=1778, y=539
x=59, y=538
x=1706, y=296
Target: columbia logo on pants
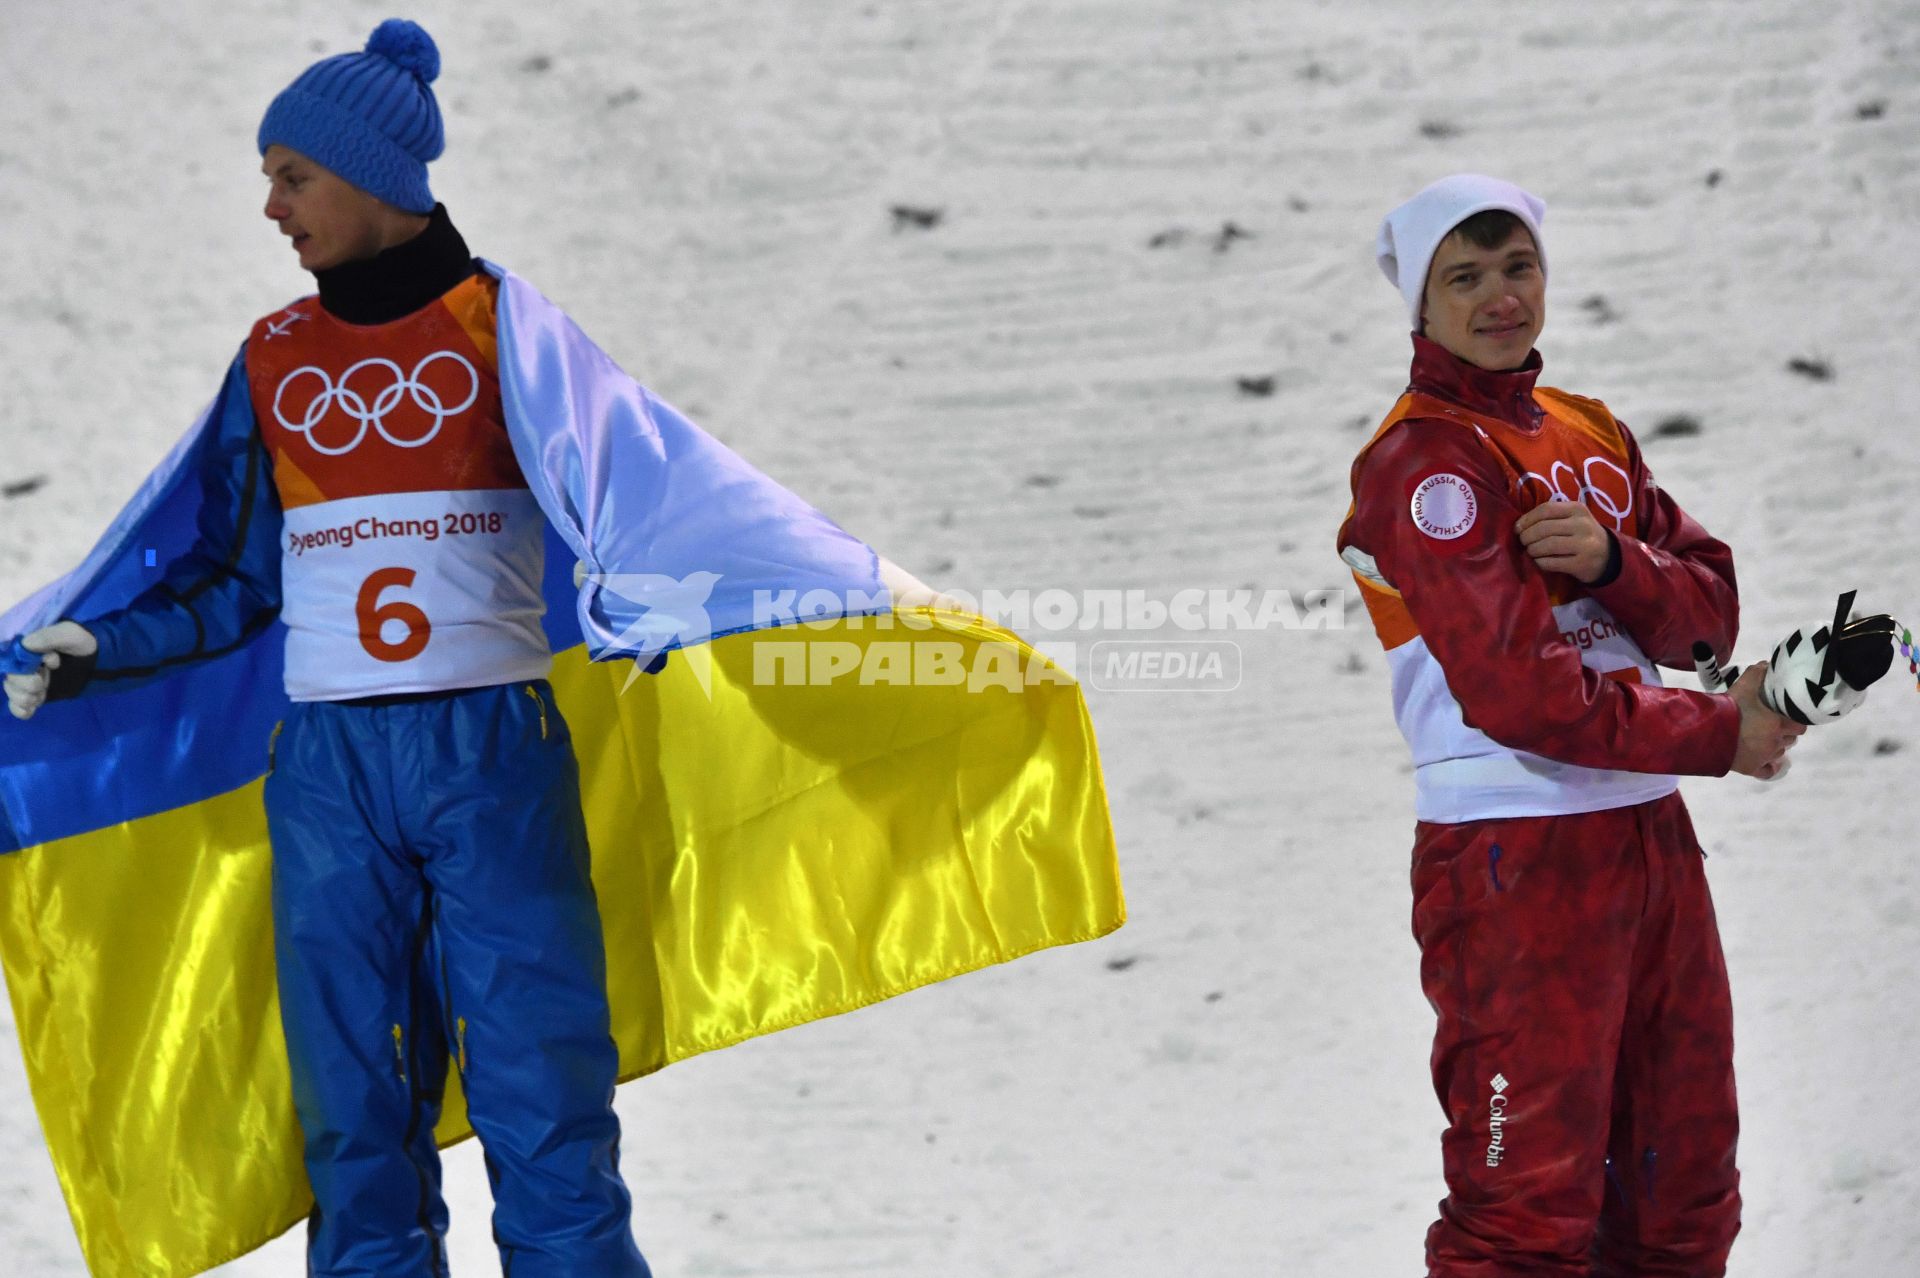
x=1497, y=1120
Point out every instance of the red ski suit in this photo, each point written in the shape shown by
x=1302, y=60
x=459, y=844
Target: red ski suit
x=1584, y=1047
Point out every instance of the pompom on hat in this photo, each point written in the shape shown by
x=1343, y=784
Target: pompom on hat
x=370, y=117
x=1411, y=234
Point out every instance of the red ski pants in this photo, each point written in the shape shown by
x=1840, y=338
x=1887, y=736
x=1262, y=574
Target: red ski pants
x=1584, y=1051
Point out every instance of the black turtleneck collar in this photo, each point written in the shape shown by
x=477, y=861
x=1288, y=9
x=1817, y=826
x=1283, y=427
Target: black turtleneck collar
x=398, y=281
x=1506, y=394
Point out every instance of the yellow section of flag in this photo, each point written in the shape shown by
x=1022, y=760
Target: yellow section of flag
x=786, y=824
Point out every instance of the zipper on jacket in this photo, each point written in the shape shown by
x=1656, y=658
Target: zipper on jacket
x=399, y=1053
x=540, y=701
x=273, y=743
x=460, y=1035
x=1493, y=866
x=1647, y=1162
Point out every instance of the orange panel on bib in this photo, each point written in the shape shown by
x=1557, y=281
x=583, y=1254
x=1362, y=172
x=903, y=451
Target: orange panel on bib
x=350, y=410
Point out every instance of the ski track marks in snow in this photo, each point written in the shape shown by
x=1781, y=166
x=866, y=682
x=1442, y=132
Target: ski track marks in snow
x=1030, y=394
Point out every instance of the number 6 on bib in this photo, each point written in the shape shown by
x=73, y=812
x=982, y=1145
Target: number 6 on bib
x=374, y=615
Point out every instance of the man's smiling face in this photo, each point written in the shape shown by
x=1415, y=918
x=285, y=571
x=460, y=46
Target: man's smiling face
x=1487, y=306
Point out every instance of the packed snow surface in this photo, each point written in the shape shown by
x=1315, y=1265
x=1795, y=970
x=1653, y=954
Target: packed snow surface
x=1110, y=215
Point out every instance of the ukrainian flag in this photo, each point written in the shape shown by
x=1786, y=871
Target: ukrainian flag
x=813, y=807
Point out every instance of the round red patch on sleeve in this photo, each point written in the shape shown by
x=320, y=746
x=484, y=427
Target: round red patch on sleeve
x=1444, y=507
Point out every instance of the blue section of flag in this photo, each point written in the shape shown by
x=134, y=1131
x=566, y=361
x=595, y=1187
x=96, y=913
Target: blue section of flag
x=680, y=537
x=16, y=659
x=683, y=539
x=200, y=731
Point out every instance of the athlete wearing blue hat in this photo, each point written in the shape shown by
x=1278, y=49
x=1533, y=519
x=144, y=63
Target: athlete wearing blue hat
x=431, y=887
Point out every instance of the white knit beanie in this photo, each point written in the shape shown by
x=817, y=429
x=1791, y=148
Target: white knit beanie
x=1411, y=233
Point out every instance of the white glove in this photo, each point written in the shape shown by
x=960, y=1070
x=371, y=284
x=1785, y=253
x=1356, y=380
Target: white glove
x=27, y=692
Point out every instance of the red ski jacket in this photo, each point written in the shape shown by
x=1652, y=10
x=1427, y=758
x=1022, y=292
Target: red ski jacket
x=1523, y=692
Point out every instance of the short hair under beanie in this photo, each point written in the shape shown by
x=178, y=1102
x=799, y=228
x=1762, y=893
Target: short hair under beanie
x=369, y=117
x=1411, y=234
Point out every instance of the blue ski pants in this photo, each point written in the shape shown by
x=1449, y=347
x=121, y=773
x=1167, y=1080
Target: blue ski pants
x=432, y=898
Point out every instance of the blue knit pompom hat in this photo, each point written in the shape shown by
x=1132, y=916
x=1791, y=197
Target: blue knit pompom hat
x=369, y=117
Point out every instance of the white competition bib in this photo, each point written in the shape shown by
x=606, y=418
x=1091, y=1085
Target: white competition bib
x=1603, y=646
x=1462, y=774
x=413, y=592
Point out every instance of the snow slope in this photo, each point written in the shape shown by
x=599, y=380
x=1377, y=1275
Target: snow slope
x=1030, y=394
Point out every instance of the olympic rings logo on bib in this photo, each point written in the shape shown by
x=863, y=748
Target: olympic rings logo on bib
x=1602, y=502
x=1444, y=506
x=354, y=405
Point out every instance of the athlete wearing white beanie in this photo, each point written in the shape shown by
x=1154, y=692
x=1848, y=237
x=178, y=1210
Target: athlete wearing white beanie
x=1583, y=1029
x=1410, y=234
